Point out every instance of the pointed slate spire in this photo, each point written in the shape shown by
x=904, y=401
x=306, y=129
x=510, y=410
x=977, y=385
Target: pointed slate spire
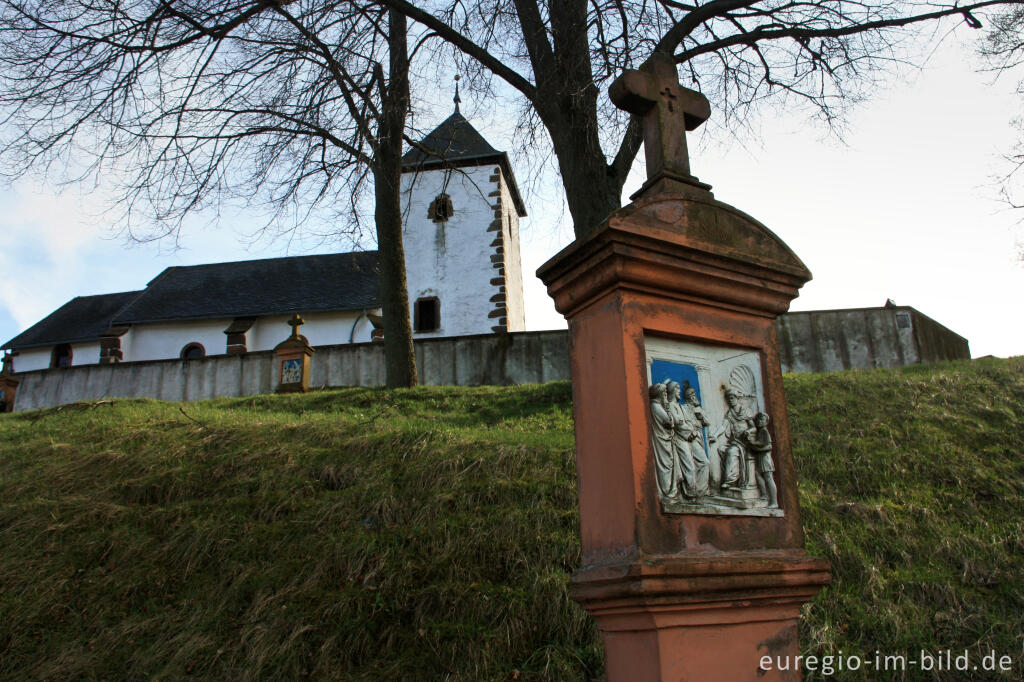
x=456, y=143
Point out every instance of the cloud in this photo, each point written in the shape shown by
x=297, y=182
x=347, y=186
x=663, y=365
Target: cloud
x=43, y=236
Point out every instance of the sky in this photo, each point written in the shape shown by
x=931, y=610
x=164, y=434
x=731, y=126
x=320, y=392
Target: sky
x=904, y=207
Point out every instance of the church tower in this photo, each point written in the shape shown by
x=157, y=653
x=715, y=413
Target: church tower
x=461, y=234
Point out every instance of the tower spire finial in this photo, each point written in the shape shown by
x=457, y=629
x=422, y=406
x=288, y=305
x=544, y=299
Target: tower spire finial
x=457, y=99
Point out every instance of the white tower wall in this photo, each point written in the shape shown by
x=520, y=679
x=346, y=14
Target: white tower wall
x=469, y=262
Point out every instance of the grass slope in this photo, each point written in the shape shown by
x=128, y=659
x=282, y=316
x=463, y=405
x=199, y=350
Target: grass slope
x=429, y=533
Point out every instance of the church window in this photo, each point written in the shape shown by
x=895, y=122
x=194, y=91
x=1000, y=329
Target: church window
x=193, y=351
x=427, y=314
x=441, y=208
x=61, y=356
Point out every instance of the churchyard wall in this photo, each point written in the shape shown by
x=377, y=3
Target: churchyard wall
x=935, y=343
x=817, y=341
x=517, y=358
x=864, y=338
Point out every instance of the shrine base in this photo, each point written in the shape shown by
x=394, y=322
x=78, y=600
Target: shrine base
x=708, y=618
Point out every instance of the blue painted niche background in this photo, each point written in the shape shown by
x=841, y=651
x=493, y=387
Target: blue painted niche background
x=676, y=371
x=682, y=373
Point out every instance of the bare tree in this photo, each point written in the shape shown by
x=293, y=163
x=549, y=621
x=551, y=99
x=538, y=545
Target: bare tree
x=1003, y=49
x=292, y=105
x=560, y=54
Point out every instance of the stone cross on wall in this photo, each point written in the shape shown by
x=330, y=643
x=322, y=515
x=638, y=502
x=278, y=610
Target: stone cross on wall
x=295, y=323
x=668, y=110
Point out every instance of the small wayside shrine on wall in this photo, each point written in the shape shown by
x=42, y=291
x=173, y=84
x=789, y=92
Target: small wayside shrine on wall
x=692, y=546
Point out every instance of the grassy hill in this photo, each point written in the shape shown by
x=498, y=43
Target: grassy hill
x=429, y=533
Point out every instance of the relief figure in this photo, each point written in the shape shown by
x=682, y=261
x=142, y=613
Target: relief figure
x=732, y=442
x=759, y=442
x=682, y=441
x=711, y=472
x=666, y=463
x=696, y=422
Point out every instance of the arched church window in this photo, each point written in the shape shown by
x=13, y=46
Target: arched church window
x=427, y=314
x=441, y=208
x=61, y=356
x=193, y=351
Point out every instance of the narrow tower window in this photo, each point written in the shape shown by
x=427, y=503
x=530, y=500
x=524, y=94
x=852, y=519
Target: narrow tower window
x=427, y=314
x=441, y=208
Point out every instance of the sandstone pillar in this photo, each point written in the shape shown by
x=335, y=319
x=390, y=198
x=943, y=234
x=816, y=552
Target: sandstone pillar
x=692, y=547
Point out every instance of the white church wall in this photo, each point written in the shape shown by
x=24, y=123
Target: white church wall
x=163, y=341
x=87, y=353
x=127, y=340
x=451, y=259
x=31, y=359
x=364, y=328
x=320, y=329
x=160, y=341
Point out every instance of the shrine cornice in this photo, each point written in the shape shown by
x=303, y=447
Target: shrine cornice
x=685, y=247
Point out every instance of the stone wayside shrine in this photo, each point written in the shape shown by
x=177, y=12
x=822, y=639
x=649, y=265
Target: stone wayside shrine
x=8, y=385
x=692, y=547
x=292, y=357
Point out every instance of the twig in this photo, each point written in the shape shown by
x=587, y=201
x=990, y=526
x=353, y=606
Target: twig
x=202, y=425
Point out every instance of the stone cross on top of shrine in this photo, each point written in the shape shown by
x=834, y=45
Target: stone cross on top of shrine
x=668, y=110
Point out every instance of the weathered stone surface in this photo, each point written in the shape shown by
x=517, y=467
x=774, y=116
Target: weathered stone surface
x=437, y=362
x=257, y=375
x=227, y=377
x=864, y=338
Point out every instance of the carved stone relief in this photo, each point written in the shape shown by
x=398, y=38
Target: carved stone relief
x=712, y=448
x=291, y=371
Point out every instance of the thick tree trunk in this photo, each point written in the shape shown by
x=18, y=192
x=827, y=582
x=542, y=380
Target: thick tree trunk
x=399, y=357
x=567, y=105
x=593, y=189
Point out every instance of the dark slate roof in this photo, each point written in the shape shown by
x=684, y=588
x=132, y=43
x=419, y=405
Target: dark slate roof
x=81, y=319
x=453, y=141
x=457, y=143
x=295, y=284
